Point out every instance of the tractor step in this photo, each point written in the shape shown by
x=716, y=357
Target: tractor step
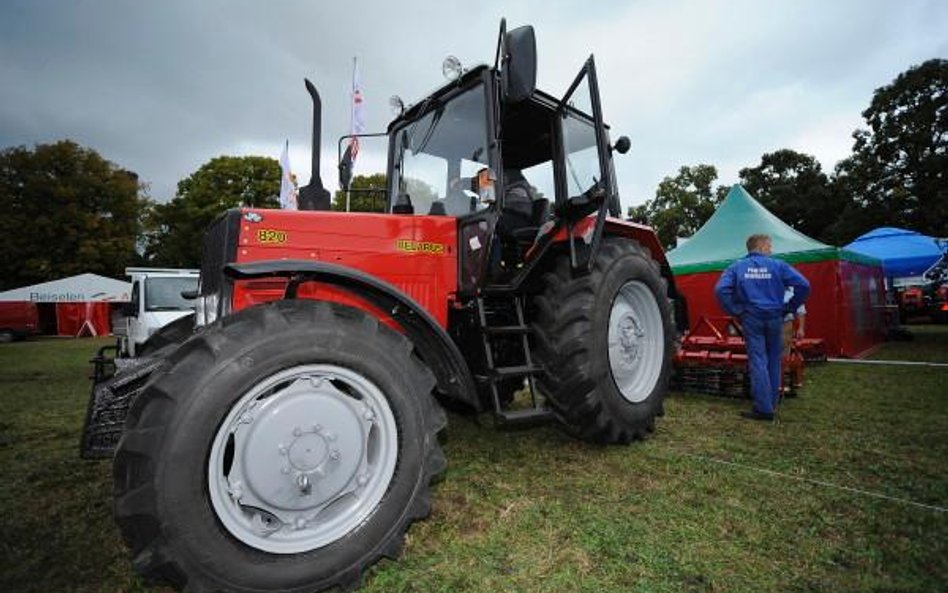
x=508, y=330
x=524, y=417
x=516, y=371
x=499, y=290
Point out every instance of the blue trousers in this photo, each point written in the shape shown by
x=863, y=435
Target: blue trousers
x=764, y=351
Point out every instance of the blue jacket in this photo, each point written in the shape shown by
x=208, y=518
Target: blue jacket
x=755, y=285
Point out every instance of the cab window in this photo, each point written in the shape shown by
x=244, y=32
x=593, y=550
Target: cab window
x=583, y=170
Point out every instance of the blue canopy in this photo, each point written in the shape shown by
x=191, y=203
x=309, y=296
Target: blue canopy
x=903, y=253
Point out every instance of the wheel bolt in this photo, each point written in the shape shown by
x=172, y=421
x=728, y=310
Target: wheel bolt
x=297, y=431
x=334, y=455
x=282, y=448
x=316, y=381
x=300, y=523
x=369, y=415
x=331, y=436
x=362, y=480
x=317, y=428
x=246, y=419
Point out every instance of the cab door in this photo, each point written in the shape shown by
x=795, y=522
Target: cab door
x=585, y=183
x=583, y=139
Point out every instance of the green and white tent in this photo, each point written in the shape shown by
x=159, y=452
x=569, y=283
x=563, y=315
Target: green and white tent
x=723, y=237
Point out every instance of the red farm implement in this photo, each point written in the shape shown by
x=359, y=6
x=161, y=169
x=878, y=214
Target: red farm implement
x=712, y=358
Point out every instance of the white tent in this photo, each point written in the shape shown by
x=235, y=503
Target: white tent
x=84, y=288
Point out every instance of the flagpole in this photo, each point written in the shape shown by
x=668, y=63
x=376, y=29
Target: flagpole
x=351, y=122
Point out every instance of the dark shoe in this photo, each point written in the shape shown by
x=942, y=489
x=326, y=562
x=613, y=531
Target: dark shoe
x=755, y=415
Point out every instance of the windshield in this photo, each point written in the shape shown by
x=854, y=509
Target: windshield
x=439, y=154
x=164, y=294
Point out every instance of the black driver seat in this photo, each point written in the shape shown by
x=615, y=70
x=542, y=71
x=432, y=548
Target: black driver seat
x=524, y=213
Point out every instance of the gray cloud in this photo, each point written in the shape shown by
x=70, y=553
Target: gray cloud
x=161, y=87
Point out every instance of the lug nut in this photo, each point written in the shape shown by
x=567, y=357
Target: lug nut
x=282, y=449
x=317, y=428
x=298, y=431
x=300, y=523
x=334, y=455
x=331, y=436
x=362, y=480
x=246, y=419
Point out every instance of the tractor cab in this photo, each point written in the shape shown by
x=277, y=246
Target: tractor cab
x=511, y=163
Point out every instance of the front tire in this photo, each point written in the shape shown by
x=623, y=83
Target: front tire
x=606, y=340
x=286, y=448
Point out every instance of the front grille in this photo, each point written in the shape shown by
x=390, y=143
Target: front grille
x=220, y=248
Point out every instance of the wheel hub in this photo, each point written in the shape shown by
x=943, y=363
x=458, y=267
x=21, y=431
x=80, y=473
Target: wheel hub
x=305, y=448
x=630, y=335
x=309, y=451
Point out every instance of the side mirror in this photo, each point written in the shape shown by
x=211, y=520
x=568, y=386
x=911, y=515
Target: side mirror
x=520, y=65
x=345, y=169
x=130, y=309
x=345, y=175
x=622, y=145
x=403, y=205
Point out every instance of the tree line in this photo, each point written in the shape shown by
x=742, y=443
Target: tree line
x=66, y=210
x=897, y=174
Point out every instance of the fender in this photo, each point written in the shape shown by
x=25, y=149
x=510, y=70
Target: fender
x=439, y=351
x=584, y=229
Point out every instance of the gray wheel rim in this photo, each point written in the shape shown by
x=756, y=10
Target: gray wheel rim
x=636, y=341
x=302, y=459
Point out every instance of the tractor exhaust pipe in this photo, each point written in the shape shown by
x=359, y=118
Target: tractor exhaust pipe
x=314, y=196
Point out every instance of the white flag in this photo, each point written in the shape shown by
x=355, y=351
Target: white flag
x=358, y=112
x=287, y=183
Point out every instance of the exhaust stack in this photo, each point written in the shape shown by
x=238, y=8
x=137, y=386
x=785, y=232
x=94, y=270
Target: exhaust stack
x=314, y=196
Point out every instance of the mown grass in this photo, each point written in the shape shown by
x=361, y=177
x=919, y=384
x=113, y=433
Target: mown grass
x=534, y=510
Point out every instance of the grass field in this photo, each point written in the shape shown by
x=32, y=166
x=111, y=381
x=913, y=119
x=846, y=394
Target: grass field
x=710, y=503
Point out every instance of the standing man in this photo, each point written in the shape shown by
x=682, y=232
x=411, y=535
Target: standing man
x=752, y=289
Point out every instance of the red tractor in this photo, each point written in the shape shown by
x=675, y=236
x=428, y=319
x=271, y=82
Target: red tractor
x=287, y=441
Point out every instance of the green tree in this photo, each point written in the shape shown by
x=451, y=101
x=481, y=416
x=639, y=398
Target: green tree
x=793, y=186
x=681, y=205
x=368, y=194
x=65, y=211
x=898, y=172
x=176, y=229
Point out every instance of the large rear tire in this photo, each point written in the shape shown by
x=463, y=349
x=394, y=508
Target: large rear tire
x=606, y=339
x=286, y=448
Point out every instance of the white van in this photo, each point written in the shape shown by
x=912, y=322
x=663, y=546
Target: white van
x=156, y=301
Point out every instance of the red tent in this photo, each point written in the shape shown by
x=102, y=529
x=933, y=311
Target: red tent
x=846, y=304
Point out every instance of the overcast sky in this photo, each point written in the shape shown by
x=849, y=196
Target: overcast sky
x=160, y=87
